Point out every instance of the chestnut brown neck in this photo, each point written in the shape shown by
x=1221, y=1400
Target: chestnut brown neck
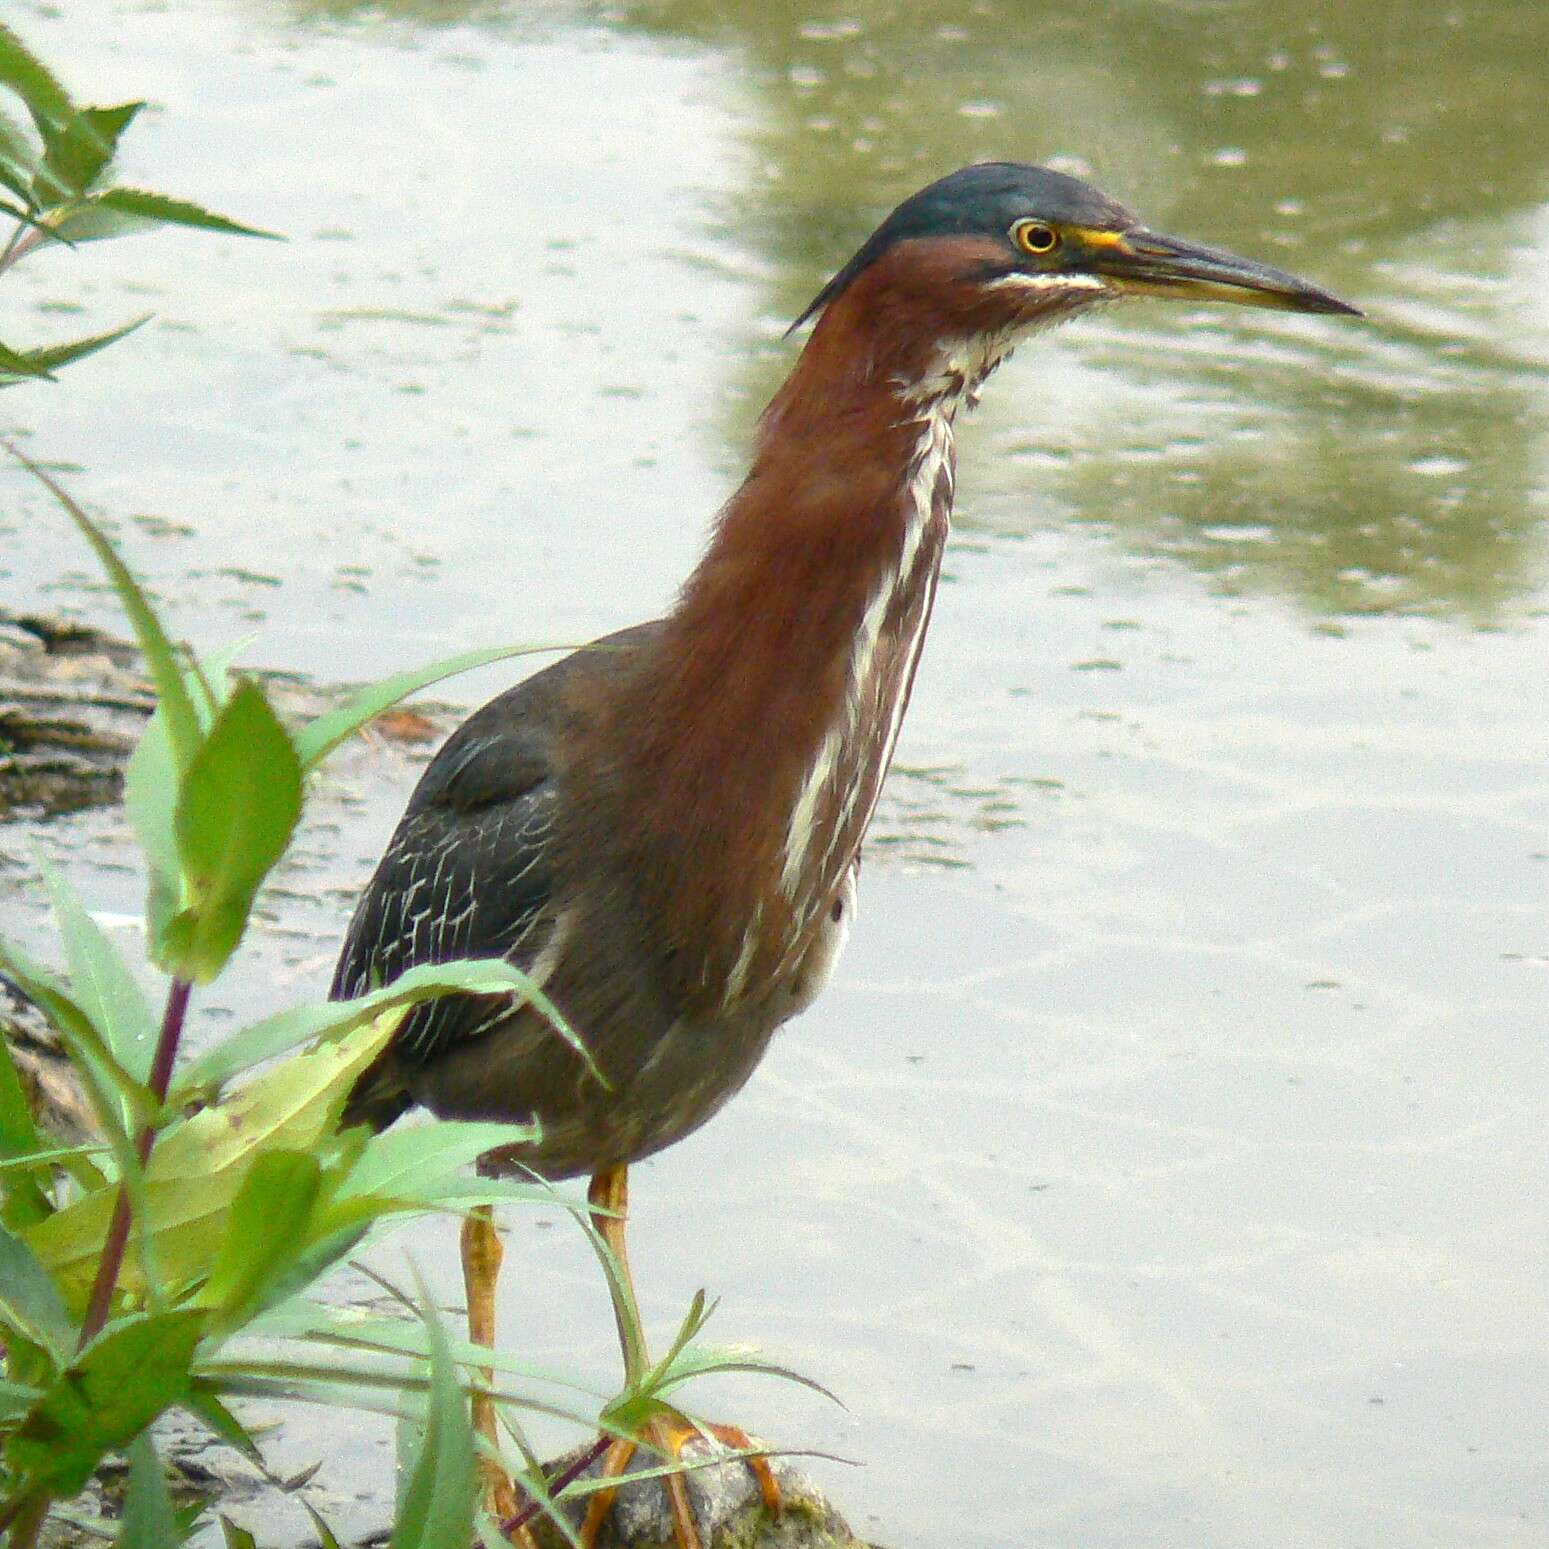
x=742, y=754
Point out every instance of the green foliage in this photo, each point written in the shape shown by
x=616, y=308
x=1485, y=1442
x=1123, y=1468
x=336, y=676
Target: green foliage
x=172, y=1264
x=129, y=1288
x=173, y=1261
x=55, y=171
x=103, y=1399
x=437, y=1507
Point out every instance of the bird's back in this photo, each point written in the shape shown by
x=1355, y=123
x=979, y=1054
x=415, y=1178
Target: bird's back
x=484, y=863
x=472, y=870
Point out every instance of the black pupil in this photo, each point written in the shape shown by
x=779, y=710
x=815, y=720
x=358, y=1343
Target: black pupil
x=1039, y=238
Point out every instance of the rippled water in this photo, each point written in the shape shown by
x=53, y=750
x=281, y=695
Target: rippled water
x=1166, y=1164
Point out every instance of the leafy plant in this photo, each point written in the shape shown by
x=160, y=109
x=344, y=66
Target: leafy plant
x=172, y=1262
x=210, y=1203
x=56, y=173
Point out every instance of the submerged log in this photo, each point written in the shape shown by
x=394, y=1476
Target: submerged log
x=71, y=709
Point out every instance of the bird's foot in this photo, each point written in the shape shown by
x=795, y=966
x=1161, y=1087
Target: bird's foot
x=668, y=1434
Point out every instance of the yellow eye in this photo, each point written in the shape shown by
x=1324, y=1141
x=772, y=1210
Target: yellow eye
x=1035, y=237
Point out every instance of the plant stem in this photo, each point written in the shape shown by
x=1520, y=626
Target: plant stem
x=21, y=242
x=112, y=1260
x=24, y=1518
x=566, y=1476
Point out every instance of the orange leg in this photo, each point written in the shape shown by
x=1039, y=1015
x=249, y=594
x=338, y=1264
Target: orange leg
x=482, y=1254
x=665, y=1434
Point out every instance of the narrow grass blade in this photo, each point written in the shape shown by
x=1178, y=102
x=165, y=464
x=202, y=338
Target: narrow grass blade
x=149, y=1521
x=318, y=738
x=438, y=1504
x=160, y=657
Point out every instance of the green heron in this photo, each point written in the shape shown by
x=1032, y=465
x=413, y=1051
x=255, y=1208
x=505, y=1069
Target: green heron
x=664, y=828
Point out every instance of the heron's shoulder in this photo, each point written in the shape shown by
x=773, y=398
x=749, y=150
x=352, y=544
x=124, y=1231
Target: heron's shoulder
x=505, y=749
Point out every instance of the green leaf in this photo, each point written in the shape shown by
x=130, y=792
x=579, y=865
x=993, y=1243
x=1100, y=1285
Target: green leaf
x=438, y=1504
x=354, y=1328
x=18, y=160
x=16, y=1398
x=19, y=366
x=51, y=1157
x=240, y=799
x=236, y=1537
x=326, y=1537
x=197, y=1170
x=22, y=72
x=319, y=737
x=285, y=1030
x=29, y=1301
x=407, y=1161
x=149, y=1521
x=85, y=218
x=23, y=1197
x=49, y=357
x=206, y=1406
x=117, y=1386
x=160, y=658
x=80, y=1033
x=104, y=988
x=265, y=1234
x=146, y=208
x=150, y=802
x=79, y=153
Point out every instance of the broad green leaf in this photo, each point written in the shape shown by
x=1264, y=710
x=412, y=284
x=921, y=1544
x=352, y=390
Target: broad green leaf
x=319, y=737
x=197, y=1170
x=51, y=356
x=209, y=679
x=438, y=1503
x=286, y=1030
x=83, y=218
x=149, y=1521
x=22, y=72
x=150, y=802
x=29, y=1302
x=160, y=658
x=266, y=1232
x=23, y=1197
x=141, y=204
x=79, y=153
x=240, y=799
x=405, y=1161
x=115, y=1388
x=106, y=991
x=81, y=1036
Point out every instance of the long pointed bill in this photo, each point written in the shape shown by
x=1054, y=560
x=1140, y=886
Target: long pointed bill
x=1145, y=263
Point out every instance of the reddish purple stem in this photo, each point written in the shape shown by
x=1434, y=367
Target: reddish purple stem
x=112, y=1260
x=566, y=1476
